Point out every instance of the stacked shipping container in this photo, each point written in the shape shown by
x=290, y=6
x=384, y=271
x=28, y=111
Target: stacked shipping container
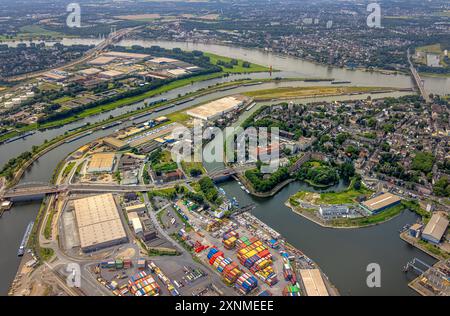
x=246, y=283
x=143, y=284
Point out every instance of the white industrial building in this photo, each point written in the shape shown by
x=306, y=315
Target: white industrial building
x=215, y=109
x=435, y=228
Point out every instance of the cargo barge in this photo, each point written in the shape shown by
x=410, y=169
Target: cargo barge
x=184, y=101
x=340, y=82
x=25, y=238
x=13, y=139
x=111, y=125
x=162, y=108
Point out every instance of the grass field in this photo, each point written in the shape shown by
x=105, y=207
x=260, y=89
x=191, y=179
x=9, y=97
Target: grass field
x=188, y=166
x=295, y=92
x=238, y=68
x=63, y=99
x=344, y=197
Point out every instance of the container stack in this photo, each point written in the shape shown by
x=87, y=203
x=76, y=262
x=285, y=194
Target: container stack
x=288, y=273
x=119, y=264
x=248, y=255
x=230, y=273
x=127, y=263
x=223, y=264
x=291, y=290
x=229, y=239
x=214, y=256
x=246, y=283
x=143, y=284
x=267, y=275
x=141, y=264
x=108, y=265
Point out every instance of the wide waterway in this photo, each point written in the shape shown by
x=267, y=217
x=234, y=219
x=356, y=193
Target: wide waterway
x=343, y=254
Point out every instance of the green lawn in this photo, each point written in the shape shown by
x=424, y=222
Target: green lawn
x=36, y=31
x=62, y=99
x=237, y=68
x=370, y=220
x=188, y=166
x=345, y=197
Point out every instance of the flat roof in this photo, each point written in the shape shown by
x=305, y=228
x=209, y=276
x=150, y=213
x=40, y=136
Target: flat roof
x=436, y=226
x=161, y=60
x=98, y=220
x=313, y=282
x=125, y=55
x=115, y=142
x=102, y=160
x=381, y=201
x=111, y=73
x=215, y=108
x=102, y=60
x=90, y=71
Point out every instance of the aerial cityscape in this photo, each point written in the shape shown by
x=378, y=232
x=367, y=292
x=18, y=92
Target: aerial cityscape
x=226, y=148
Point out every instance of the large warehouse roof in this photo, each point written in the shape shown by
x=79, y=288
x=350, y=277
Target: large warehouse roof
x=436, y=226
x=313, y=282
x=381, y=201
x=215, y=108
x=98, y=220
x=102, y=161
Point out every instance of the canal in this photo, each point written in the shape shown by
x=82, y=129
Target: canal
x=343, y=254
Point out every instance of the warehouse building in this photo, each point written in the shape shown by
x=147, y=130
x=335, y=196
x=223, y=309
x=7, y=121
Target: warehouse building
x=313, y=282
x=98, y=221
x=381, y=202
x=102, y=162
x=215, y=109
x=115, y=143
x=435, y=229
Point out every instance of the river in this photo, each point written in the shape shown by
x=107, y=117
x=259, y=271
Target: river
x=343, y=254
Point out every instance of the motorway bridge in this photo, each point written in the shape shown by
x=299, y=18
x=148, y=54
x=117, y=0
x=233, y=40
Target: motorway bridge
x=418, y=81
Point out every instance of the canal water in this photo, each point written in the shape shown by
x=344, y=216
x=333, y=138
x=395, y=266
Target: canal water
x=343, y=254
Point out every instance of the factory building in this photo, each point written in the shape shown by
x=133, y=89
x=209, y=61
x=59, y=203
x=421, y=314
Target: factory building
x=334, y=211
x=313, y=282
x=381, y=202
x=98, y=221
x=215, y=109
x=435, y=229
x=102, y=162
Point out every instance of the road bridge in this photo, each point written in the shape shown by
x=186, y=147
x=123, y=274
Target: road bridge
x=31, y=191
x=418, y=81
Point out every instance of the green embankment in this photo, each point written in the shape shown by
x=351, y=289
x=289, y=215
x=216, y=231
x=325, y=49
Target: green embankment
x=238, y=68
x=298, y=92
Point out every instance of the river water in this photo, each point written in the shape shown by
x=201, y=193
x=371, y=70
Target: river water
x=342, y=254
